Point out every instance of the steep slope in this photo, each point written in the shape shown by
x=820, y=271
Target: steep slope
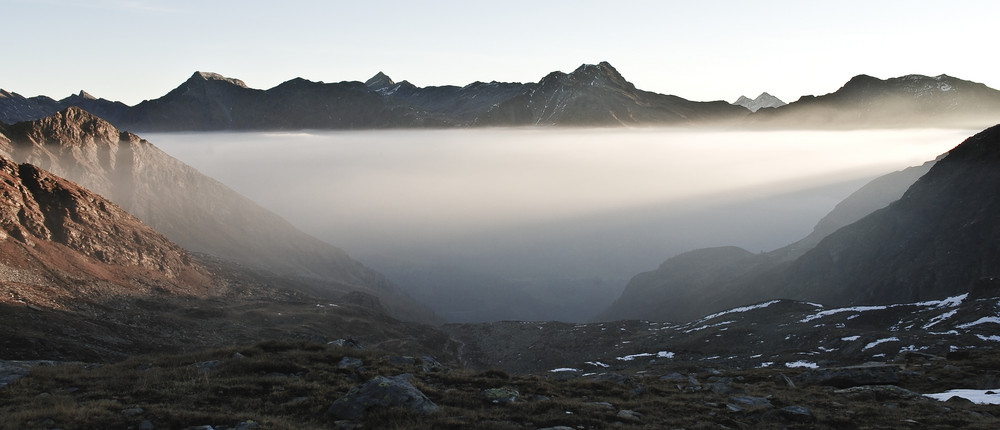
x=197, y=212
x=764, y=100
x=708, y=280
x=935, y=241
x=16, y=108
x=907, y=101
x=62, y=241
x=597, y=95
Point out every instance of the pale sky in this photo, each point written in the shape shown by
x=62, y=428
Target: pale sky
x=131, y=50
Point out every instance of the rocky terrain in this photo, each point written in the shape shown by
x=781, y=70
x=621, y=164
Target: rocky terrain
x=193, y=210
x=591, y=95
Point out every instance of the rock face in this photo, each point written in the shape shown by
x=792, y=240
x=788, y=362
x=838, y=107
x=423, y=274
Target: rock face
x=907, y=101
x=193, y=210
x=703, y=281
x=764, y=100
x=57, y=234
x=597, y=95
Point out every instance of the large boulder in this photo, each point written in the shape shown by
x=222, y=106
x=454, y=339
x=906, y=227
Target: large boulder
x=380, y=391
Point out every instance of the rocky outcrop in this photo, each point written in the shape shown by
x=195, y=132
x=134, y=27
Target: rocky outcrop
x=59, y=231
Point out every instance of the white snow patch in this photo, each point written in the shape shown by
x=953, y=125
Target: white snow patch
x=825, y=349
x=822, y=314
x=766, y=364
x=741, y=309
x=661, y=354
x=982, y=397
x=983, y=320
x=708, y=326
x=801, y=363
x=880, y=341
x=940, y=318
x=991, y=338
x=564, y=369
x=598, y=364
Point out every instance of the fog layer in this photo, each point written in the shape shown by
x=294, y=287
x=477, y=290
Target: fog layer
x=554, y=220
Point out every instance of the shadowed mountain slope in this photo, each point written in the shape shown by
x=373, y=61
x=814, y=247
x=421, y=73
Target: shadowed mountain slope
x=708, y=280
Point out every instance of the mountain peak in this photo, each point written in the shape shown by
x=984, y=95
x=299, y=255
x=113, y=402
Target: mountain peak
x=86, y=96
x=209, y=76
x=379, y=81
x=764, y=100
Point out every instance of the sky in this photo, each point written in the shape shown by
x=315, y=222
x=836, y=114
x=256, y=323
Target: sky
x=132, y=50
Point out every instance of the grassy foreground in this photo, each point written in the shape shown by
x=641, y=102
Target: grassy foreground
x=290, y=385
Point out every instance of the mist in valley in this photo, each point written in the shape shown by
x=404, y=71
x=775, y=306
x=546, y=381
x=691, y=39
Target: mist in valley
x=547, y=223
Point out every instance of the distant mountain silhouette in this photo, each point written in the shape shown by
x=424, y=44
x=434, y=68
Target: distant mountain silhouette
x=194, y=210
x=599, y=95
x=764, y=100
x=907, y=101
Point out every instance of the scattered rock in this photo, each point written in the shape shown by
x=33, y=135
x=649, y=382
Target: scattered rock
x=380, y=391
x=206, y=366
x=131, y=412
x=751, y=402
x=790, y=413
x=603, y=405
x=500, y=395
x=629, y=415
x=349, y=363
x=146, y=425
x=349, y=343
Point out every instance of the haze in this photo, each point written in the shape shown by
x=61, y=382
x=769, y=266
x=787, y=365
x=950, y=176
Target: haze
x=565, y=215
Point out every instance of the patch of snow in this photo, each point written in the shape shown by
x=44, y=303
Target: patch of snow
x=940, y=318
x=801, y=363
x=661, y=354
x=850, y=338
x=941, y=333
x=740, y=309
x=664, y=354
x=766, y=364
x=598, y=364
x=563, y=369
x=879, y=356
x=822, y=314
x=991, y=338
x=982, y=397
x=708, y=326
x=880, y=341
x=757, y=356
x=983, y=320
x=825, y=349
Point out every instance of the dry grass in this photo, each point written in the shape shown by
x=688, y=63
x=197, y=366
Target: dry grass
x=290, y=385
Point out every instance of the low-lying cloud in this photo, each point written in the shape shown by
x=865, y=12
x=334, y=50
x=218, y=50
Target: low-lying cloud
x=552, y=202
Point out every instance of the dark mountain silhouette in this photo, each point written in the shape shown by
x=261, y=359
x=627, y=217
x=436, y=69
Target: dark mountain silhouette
x=599, y=95
x=452, y=104
x=906, y=101
x=708, y=280
x=938, y=239
x=194, y=210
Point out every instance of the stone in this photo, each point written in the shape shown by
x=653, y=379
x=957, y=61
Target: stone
x=751, y=402
x=380, y=391
x=349, y=363
x=629, y=415
x=500, y=395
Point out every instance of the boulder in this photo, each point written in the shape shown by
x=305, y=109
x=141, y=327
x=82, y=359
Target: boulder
x=380, y=391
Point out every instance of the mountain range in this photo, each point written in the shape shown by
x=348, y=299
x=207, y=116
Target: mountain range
x=591, y=95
